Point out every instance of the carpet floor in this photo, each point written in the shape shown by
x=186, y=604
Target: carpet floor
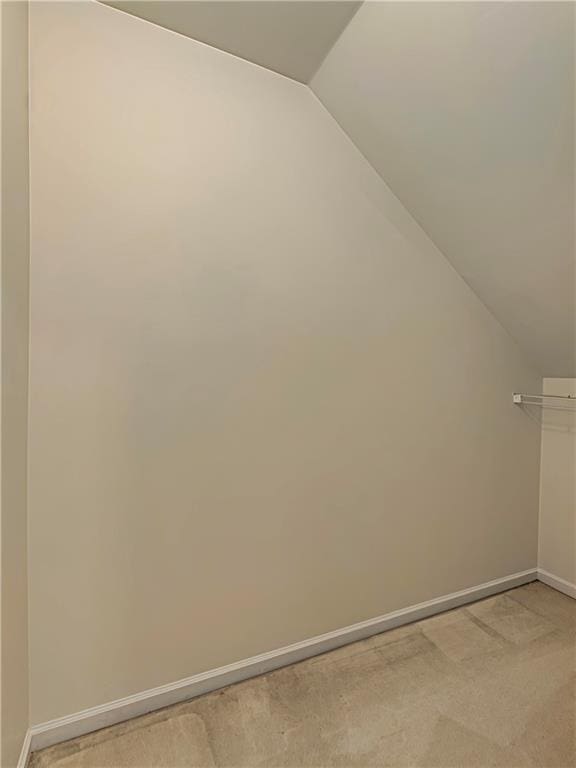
x=491, y=684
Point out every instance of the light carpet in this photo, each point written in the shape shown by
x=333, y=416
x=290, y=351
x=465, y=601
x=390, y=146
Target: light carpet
x=491, y=684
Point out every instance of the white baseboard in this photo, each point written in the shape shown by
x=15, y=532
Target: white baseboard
x=26, y=750
x=64, y=728
x=557, y=583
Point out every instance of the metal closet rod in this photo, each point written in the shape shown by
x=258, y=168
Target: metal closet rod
x=519, y=397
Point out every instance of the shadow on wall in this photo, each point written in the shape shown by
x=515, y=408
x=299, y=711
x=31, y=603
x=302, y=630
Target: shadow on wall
x=553, y=418
x=560, y=418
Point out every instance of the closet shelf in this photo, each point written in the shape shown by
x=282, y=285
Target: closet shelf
x=567, y=402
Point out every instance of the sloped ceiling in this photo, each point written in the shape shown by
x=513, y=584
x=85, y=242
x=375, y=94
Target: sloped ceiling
x=288, y=37
x=467, y=111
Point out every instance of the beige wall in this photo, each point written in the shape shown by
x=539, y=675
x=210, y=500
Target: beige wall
x=14, y=319
x=263, y=406
x=557, y=537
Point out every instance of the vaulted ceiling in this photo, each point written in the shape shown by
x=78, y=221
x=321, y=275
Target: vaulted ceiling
x=466, y=110
x=290, y=37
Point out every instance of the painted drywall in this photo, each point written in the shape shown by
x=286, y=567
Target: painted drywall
x=263, y=405
x=289, y=37
x=467, y=112
x=557, y=536
x=14, y=382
